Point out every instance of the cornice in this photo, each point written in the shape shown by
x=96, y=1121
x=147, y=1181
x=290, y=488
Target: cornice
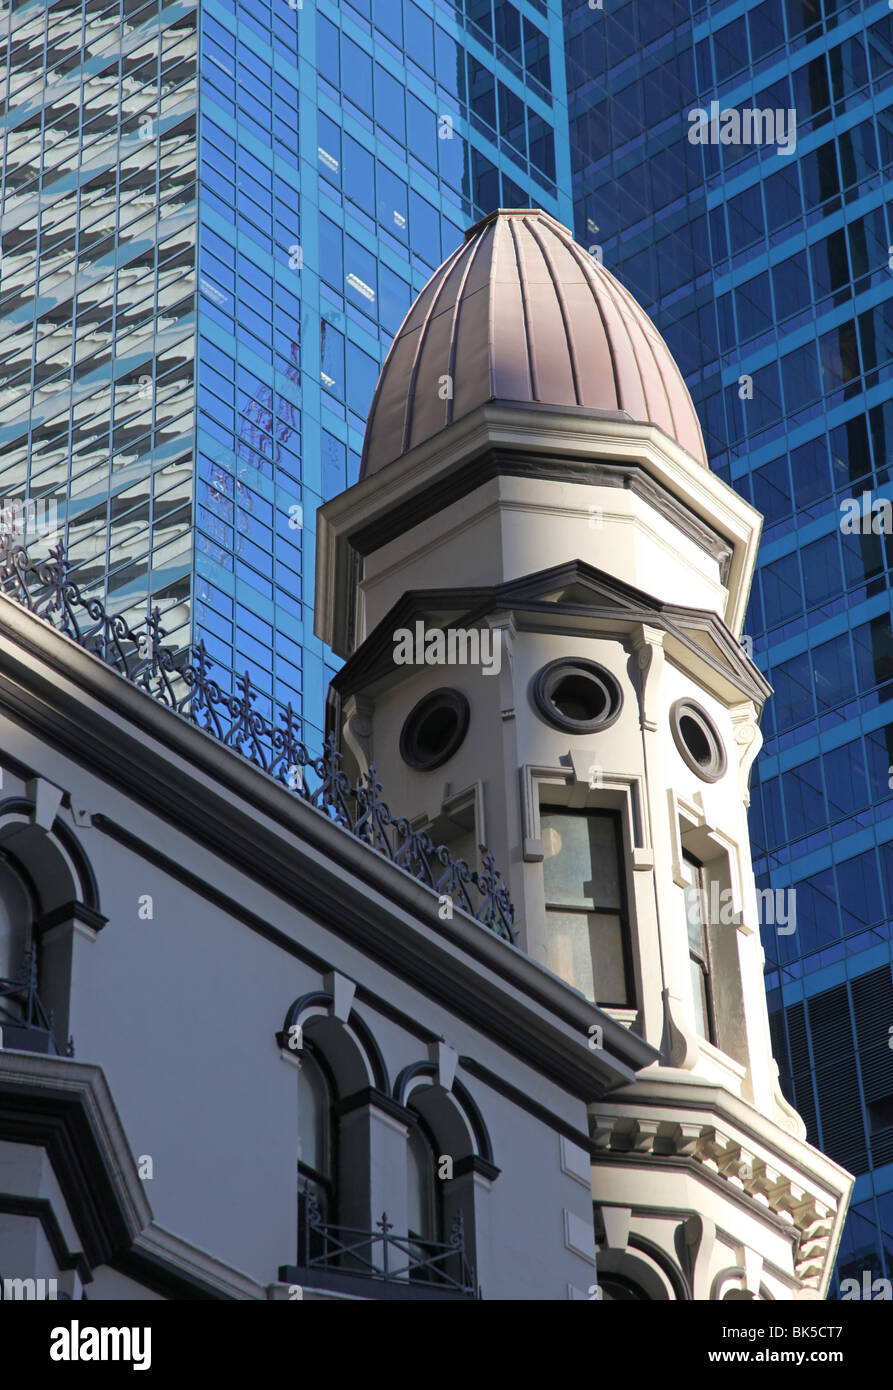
x=170, y=1266
x=616, y=608
x=758, y=1163
x=41, y=1209
x=494, y=463
x=66, y=1108
x=537, y=441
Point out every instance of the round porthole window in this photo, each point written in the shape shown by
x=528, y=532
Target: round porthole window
x=697, y=740
x=577, y=695
x=434, y=729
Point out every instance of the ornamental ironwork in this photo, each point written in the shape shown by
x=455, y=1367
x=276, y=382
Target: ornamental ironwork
x=25, y=1024
x=183, y=681
x=409, y=1261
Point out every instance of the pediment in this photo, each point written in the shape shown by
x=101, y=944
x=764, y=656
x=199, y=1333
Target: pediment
x=577, y=584
x=584, y=597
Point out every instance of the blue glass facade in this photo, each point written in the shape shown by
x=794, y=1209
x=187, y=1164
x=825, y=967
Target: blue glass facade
x=769, y=274
x=392, y=129
x=97, y=289
x=300, y=169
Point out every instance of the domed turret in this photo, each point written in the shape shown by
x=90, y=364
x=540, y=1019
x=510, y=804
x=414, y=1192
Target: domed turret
x=521, y=314
x=538, y=585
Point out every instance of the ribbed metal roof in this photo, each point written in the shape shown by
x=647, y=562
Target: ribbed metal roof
x=520, y=312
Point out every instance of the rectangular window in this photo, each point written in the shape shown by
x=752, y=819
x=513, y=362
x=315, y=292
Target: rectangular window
x=696, y=920
x=389, y=104
x=359, y=174
x=586, y=916
x=327, y=57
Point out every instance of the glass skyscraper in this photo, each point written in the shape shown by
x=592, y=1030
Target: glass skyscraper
x=97, y=288
x=214, y=219
x=770, y=273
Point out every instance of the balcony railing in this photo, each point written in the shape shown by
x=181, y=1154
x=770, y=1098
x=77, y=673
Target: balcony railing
x=28, y=1028
x=409, y=1267
x=184, y=683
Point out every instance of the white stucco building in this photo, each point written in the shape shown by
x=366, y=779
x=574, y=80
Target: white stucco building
x=537, y=588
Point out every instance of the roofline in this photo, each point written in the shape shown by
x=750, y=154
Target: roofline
x=68, y=699
x=561, y=432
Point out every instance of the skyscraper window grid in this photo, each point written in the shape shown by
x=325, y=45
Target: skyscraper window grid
x=768, y=273
x=304, y=168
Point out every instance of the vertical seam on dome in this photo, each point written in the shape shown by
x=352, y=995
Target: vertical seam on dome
x=382, y=375
x=608, y=288
x=686, y=395
x=491, y=308
x=660, y=371
x=694, y=414
x=414, y=371
x=562, y=305
x=525, y=307
x=612, y=352
x=454, y=327
x=376, y=394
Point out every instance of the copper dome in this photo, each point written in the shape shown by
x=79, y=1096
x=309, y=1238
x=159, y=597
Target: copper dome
x=521, y=313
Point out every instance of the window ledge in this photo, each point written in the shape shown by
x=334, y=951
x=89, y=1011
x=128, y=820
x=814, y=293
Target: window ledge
x=625, y=1017
x=721, y=1066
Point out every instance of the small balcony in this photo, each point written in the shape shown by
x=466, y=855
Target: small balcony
x=25, y=1025
x=378, y=1264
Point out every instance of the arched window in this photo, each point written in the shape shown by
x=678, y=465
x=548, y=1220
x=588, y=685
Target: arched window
x=422, y=1205
x=16, y=918
x=316, y=1156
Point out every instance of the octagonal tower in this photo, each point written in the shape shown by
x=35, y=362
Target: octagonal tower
x=538, y=587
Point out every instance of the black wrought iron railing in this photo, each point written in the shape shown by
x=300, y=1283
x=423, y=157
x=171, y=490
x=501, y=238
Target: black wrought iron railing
x=183, y=682
x=381, y=1255
x=24, y=1022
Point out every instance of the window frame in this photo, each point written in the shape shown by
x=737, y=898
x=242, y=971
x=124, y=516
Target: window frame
x=718, y=765
x=32, y=941
x=704, y=963
x=421, y=1128
x=329, y=1185
x=621, y=911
